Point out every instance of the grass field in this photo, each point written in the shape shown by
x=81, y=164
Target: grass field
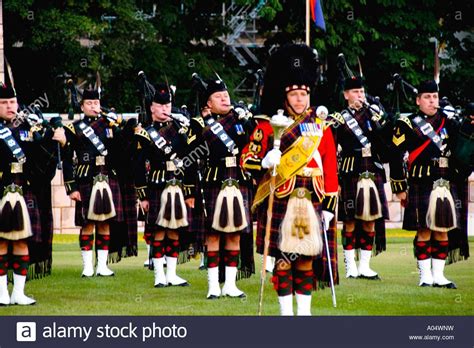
x=131, y=291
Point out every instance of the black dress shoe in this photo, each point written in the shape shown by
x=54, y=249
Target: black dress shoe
x=213, y=297
x=425, y=285
x=182, y=284
x=160, y=285
x=446, y=286
x=375, y=277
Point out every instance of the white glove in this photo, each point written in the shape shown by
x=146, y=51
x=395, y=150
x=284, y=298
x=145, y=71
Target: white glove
x=271, y=159
x=327, y=216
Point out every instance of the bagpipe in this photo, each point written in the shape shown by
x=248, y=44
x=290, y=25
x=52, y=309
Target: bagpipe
x=463, y=142
x=33, y=118
x=380, y=125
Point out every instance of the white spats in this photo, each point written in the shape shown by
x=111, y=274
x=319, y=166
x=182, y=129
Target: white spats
x=350, y=263
x=171, y=277
x=18, y=294
x=102, y=269
x=364, y=266
x=159, y=272
x=87, y=263
x=4, y=296
x=147, y=260
x=230, y=288
x=286, y=305
x=303, y=303
x=439, y=280
x=213, y=283
x=424, y=268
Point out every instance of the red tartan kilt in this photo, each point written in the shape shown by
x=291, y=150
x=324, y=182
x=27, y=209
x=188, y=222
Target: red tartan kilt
x=417, y=206
x=82, y=208
x=346, y=207
x=320, y=262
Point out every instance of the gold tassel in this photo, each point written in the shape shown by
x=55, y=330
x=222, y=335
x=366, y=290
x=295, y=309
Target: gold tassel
x=300, y=229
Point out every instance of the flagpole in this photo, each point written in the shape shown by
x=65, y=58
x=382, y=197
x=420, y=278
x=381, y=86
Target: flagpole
x=307, y=22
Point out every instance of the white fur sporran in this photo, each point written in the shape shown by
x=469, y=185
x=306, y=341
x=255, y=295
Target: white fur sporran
x=173, y=213
x=15, y=221
x=441, y=213
x=367, y=204
x=101, y=204
x=229, y=213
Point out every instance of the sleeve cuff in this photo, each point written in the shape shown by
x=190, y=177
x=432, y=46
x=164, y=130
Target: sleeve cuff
x=70, y=186
x=330, y=202
x=252, y=163
x=398, y=186
x=188, y=191
x=141, y=193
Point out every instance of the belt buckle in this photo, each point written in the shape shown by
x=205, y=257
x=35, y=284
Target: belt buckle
x=230, y=162
x=307, y=172
x=443, y=162
x=100, y=161
x=170, y=166
x=16, y=168
x=366, y=152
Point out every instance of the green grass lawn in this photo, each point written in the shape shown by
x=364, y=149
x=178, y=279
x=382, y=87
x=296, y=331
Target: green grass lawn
x=131, y=291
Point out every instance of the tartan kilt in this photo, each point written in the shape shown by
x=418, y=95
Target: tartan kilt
x=320, y=263
x=417, y=206
x=210, y=194
x=347, y=203
x=123, y=234
x=82, y=208
x=129, y=202
x=246, y=265
x=186, y=237
x=41, y=252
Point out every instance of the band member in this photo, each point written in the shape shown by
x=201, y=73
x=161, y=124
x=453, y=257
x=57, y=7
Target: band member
x=123, y=234
x=306, y=183
x=19, y=213
x=362, y=178
x=430, y=193
x=47, y=160
x=93, y=183
x=220, y=135
x=163, y=145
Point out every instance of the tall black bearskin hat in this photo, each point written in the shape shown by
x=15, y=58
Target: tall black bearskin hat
x=91, y=94
x=7, y=92
x=353, y=82
x=292, y=67
x=429, y=86
x=212, y=86
x=162, y=94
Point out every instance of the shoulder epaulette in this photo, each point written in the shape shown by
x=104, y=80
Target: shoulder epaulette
x=70, y=126
x=406, y=120
x=143, y=133
x=199, y=120
x=338, y=117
